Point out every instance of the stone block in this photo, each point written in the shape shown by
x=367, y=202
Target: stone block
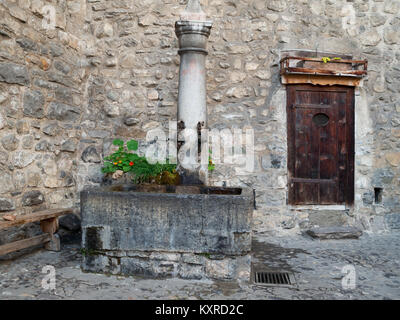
x=95, y=263
x=14, y=73
x=382, y=177
x=243, y=267
x=62, y=112
x=392, y=221
x=34, y=104
x=96, y=237
x=90, y=155
x=135, y=266
x=51, y=128
x=27, y=44
x=18, y=13
x=393, y=158
x=7, y=183
x=277, y=5
x=23, y=159
x=27, y=142
x=220, y=269
x=164, y=269
x=191, y=272
x=3, y=122
x=10, y=142
x=328, y=233
x=162, y=256
x=327, y=218
x=44, y=145
x=69, y=145
x=192, y=259
x=22, y=127
x=3, y=157
x=6, y=204
x=32, y=198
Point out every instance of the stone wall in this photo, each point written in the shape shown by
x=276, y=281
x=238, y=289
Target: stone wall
x=110, y=69
x=42, y=102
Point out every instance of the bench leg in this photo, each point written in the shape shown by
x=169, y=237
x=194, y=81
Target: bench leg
x=54, y=243
x=50, y=226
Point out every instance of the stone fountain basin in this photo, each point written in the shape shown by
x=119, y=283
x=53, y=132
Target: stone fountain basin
x=190, y=232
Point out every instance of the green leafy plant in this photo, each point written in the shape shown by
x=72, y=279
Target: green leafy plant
x=205, y=254
x=211, y=165
x=145, y=172
x=122, y=159
x=142, y=171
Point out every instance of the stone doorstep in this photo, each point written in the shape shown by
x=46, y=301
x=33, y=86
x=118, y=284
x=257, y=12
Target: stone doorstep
x=337, y=233
x=317, y=207
x=326, y=216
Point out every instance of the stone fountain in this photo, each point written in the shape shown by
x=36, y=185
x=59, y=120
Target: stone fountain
x=190, y=231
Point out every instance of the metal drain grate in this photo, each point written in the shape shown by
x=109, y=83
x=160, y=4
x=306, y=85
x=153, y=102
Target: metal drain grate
x=274, y=278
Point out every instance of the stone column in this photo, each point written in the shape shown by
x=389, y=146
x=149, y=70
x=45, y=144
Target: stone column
x=192, y=31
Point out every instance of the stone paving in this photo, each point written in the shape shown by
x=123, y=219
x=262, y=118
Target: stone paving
x=317, y=266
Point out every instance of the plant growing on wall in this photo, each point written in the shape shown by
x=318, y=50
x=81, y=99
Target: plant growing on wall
x=126, y=161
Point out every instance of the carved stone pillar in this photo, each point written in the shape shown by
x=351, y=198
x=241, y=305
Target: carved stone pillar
x=192, y=31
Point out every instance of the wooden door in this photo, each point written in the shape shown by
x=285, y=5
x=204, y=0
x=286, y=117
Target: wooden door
x=320, y=144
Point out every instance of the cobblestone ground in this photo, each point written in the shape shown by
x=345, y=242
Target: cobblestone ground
x=317, y=266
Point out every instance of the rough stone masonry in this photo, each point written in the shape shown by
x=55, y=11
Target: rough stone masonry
x=194, y=233
x=109, y=69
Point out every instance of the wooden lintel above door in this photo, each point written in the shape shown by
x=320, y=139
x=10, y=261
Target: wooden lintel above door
x=320, y=80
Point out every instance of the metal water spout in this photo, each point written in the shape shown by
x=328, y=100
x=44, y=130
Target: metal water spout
x=193, y=31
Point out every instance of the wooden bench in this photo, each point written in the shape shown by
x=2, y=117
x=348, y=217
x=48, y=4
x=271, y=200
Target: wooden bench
x=48, y=223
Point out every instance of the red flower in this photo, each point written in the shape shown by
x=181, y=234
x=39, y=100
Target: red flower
x=131, y=163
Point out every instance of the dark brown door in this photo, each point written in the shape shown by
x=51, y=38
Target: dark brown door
x=320, y=144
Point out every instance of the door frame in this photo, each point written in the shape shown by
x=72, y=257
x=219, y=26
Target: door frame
x=350, y=140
